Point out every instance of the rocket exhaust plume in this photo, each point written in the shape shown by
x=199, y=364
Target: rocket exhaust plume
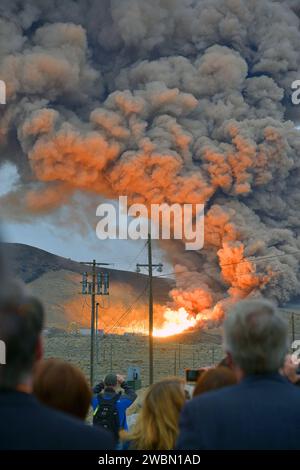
x=176, y=101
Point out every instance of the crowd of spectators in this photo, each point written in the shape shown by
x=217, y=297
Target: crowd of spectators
x=249, y=401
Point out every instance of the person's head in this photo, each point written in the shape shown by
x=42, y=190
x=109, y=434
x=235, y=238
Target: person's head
x=255, y=337
x=21, y=323
x=111, y=381
x=213, y=379
x=61, y=385
x=157, y=423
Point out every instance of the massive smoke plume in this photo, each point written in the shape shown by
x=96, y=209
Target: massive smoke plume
x=164, y=101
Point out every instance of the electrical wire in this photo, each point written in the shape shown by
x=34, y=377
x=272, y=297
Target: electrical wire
x=89, y=306
x=258, y=259
x=128, y=309
x=261, y=258
x=137, y=256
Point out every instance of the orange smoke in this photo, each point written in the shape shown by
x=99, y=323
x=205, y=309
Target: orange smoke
x=238, y=271
x=100, y=157
x=48, y=197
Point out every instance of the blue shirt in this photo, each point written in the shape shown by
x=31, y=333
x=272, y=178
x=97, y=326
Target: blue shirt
x=124, y=402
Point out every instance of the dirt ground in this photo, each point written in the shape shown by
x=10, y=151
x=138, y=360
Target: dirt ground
x=117, y=353
x=171, y=355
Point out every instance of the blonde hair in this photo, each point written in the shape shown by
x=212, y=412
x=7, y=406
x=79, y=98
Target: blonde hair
x=157, y=424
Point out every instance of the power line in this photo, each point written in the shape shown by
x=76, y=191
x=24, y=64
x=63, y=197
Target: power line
x=258, y=259
x=261, y=258
x=169, y=274
x=128, y=309
x=85, y=302
x=98, y=286
x=150, y=266
x=137, y=256
x=104, y=304
x=240, y=275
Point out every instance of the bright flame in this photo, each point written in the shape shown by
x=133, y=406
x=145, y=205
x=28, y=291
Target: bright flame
x=176, y=321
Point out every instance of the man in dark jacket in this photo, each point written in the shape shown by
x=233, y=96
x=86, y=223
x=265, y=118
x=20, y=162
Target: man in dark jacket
x=263, y=410
x=25, y=423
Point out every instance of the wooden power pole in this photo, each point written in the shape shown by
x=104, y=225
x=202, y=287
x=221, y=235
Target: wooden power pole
x=98, y=286
x=150, y=267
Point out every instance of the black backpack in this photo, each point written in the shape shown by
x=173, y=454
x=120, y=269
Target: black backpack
x=106, y=414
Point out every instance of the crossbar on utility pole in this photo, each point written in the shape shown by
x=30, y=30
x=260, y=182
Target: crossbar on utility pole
x=92, y=291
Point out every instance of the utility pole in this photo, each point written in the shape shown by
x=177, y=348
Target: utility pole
x=98, y=286
x=293, y=327
x=179, y=357
x=97, y=333
x=111, y=357
x=150, y=267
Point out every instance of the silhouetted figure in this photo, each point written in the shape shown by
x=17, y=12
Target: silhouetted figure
x=24, y=422
x=263, y=410
x=214, y=379
x=62, y=386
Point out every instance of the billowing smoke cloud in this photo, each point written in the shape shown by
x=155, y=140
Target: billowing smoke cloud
x=165, y=101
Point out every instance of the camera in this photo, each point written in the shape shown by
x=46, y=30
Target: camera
x=192, y=375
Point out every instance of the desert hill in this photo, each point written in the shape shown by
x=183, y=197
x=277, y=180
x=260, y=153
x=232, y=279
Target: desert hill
x=56, y=280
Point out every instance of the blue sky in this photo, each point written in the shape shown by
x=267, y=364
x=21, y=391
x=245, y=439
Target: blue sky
x=44, y=233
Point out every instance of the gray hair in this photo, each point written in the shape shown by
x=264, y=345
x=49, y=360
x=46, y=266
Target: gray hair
x=256, y=336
